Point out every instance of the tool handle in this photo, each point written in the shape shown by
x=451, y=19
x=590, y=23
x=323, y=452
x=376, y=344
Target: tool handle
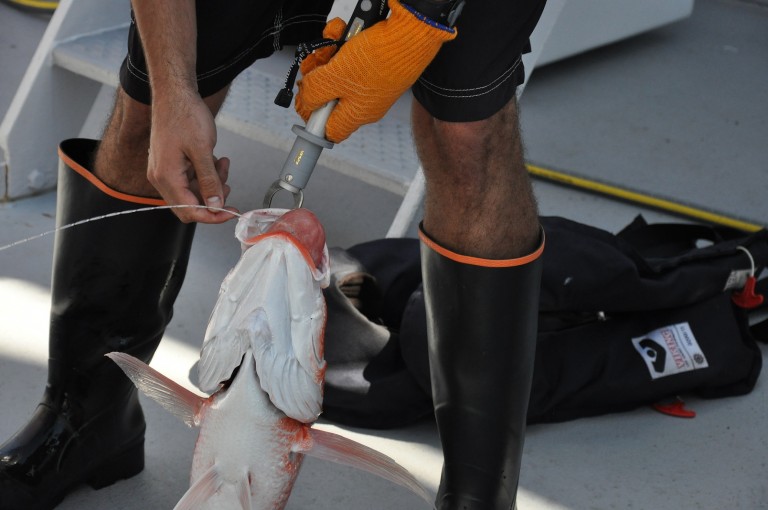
x=310, y=140
x=366, y=13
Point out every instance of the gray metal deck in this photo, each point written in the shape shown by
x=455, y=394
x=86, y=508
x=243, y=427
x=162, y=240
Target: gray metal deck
x=676, y=113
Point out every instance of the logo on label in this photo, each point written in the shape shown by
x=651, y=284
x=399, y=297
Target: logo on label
x=670, y=350
x=654, y=353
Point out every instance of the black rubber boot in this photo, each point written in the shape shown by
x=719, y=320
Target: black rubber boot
x=481, y=321
x=113, y=287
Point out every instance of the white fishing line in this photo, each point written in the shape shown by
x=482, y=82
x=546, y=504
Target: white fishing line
x=111, y=215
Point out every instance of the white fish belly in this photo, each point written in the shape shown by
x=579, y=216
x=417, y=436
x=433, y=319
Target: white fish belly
x=249, y=441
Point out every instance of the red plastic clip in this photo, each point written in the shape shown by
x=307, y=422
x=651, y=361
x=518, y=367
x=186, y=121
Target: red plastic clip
x=746, y=297
x=675, y=407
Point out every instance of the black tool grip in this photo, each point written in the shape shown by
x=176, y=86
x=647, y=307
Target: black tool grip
x=366, y=13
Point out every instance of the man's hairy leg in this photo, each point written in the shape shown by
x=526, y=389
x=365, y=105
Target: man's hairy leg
x=479, y=200
x=121, y=161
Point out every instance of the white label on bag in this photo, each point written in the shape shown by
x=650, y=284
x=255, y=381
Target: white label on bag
x=670, y=350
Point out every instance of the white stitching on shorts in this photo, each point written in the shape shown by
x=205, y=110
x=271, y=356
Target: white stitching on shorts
x=277, y=28
x=135, y=71
x=482, y=90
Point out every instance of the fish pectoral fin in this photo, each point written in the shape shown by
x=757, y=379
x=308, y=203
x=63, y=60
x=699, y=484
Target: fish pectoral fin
x=172, y=396
x=333, y=447
x=222, y=354
x=201, y=491
x=244, y=490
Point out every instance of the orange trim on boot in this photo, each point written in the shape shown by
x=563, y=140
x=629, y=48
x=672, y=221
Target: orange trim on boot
x=477, y=261
x=84, y=172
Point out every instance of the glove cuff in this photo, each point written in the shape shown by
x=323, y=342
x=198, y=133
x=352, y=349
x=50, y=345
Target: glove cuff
x=416, y=23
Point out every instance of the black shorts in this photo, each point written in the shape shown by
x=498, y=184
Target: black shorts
x=231, y=36
x=470, y=79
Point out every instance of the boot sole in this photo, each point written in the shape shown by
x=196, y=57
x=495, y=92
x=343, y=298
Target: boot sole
x=126, y=464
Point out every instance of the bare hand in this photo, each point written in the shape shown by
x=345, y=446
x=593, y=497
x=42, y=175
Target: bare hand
x=181, y=164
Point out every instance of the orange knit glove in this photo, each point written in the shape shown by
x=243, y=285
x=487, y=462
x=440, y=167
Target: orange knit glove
x=370, y=71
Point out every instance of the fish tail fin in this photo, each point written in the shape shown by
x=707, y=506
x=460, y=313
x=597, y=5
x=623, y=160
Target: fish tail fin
x=201, y=491
x=335, y=448
x=169, y=394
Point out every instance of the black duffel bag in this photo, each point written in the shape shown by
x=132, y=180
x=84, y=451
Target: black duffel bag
x=625, y=320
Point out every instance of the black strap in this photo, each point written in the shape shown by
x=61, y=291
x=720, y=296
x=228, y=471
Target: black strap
x=285, y=96
x=672, y=239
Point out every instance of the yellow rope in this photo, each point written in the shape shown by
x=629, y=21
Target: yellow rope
x=633, y=196
x=36, y=4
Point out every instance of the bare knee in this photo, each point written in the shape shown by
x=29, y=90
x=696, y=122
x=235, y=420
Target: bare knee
x=466, y=147
x=468, y=158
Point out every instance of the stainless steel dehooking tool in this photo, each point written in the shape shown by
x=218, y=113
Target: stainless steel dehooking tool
x=310, y=139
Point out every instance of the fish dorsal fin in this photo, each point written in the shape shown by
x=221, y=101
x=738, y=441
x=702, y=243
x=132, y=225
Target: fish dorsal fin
x=172, y=396
x=201, y=491
x=339, y=449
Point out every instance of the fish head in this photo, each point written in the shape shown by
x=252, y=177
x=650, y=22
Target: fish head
x=304, y=226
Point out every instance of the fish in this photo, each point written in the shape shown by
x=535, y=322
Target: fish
x=262, y=365
x=272, y=303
